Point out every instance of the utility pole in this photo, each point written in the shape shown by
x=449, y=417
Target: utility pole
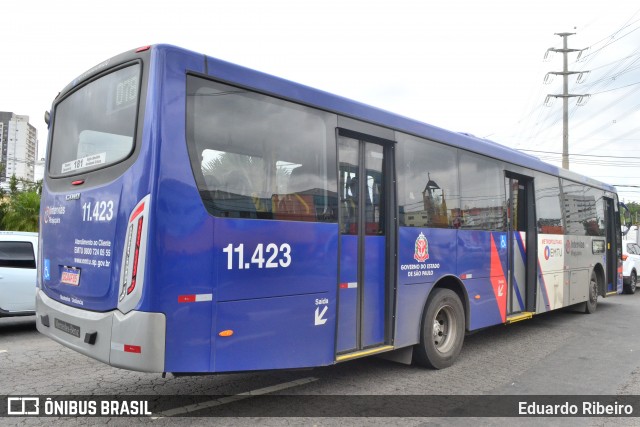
x=565, y=93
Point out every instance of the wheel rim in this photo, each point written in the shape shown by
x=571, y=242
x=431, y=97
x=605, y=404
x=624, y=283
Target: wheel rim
x=634, y=282
x=444, y=329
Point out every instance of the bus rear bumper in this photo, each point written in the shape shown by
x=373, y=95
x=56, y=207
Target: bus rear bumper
x=135, y=340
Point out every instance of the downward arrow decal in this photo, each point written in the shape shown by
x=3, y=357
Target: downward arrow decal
x=319, y=315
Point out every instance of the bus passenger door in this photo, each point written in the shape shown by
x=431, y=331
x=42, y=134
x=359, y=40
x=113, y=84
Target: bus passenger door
x=364, y=295
x=521, y=243
x=613, y=250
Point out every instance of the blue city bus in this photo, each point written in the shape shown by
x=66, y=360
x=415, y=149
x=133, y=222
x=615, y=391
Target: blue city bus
x=198, y=216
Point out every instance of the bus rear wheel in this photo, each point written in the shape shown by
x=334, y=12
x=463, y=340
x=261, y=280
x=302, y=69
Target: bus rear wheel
x=442, y=331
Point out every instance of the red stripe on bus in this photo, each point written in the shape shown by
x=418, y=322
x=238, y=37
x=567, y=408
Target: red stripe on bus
x=186, y=298
x=135, y=213
x=132, y=348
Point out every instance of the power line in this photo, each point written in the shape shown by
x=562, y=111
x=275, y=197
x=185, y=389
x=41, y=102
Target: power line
x=612, y=39
x=617, y=88
x=539, y=123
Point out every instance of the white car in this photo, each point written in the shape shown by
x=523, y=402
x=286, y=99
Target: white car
x=18, y=261
x=630, y=266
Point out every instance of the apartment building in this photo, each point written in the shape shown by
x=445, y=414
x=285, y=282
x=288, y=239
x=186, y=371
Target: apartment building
x=19, y=147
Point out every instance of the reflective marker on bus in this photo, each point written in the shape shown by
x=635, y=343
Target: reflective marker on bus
x=198, y=216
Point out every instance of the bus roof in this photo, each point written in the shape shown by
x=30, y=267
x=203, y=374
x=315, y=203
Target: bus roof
x=296, y=92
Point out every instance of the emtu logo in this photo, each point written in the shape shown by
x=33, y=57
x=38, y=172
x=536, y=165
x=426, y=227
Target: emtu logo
x=550, y=252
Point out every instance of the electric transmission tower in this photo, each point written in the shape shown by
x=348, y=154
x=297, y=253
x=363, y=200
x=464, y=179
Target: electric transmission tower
x=565, y=92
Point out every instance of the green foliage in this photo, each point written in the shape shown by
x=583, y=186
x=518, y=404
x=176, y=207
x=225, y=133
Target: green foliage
x=32, y=187
x=13, y=185
x=634, y=208
x=20, y=208
x=23, y=212
x=634, y=214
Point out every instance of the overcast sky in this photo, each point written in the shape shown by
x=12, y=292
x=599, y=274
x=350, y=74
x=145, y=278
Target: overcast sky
x=464, y=65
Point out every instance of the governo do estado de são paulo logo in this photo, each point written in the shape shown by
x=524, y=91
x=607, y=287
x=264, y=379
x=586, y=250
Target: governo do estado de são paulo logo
x=421, y=249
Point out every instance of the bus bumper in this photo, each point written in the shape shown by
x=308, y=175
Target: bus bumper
x=135, y=340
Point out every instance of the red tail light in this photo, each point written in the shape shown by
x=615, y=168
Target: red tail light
x=136, y=256
x=624, y=257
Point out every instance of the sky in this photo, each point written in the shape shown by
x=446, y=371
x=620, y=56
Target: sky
x=463, y=65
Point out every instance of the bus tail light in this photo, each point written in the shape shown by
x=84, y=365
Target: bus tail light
x=134, y=256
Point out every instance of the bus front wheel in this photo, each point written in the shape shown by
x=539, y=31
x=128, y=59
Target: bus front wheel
x=442, y=330
x=592, y=302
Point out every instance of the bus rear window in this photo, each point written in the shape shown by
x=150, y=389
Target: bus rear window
x=95, y=126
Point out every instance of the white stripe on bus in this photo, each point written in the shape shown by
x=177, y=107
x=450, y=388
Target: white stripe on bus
x=195, y=298
x=349, y=285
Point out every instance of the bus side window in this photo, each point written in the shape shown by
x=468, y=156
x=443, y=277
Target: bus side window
x=297, y=202
x=350, y=203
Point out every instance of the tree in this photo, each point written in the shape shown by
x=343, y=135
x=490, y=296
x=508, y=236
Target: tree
x=29, y=186
x=634, y=212
x=235, y=171
x=634, y=208
x=13, y=185
x=3, y=205
x=231, y=171
x=22, y=213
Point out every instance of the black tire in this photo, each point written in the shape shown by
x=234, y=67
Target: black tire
x=442, y=330
x=630, y=288
x=592, y=302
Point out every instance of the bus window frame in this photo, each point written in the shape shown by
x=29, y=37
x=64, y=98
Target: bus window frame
x=103, y=174
x=330, y=120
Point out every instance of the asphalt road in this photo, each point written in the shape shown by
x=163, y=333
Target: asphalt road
x=559, y=353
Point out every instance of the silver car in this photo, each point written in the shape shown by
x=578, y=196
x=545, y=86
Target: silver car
x=18, y=261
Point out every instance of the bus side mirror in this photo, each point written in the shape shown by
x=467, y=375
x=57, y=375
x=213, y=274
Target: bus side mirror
x=47, y=118
x=627, y=224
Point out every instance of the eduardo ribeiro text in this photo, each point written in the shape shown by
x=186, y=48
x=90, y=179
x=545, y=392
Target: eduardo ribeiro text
x=567, y=408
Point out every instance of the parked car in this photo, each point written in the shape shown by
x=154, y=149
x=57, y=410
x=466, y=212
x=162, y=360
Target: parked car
x=18, y=261
x=630, y=266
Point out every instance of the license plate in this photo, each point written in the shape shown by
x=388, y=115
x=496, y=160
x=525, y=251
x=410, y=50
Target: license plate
x=70, y=276
x=67, y=327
